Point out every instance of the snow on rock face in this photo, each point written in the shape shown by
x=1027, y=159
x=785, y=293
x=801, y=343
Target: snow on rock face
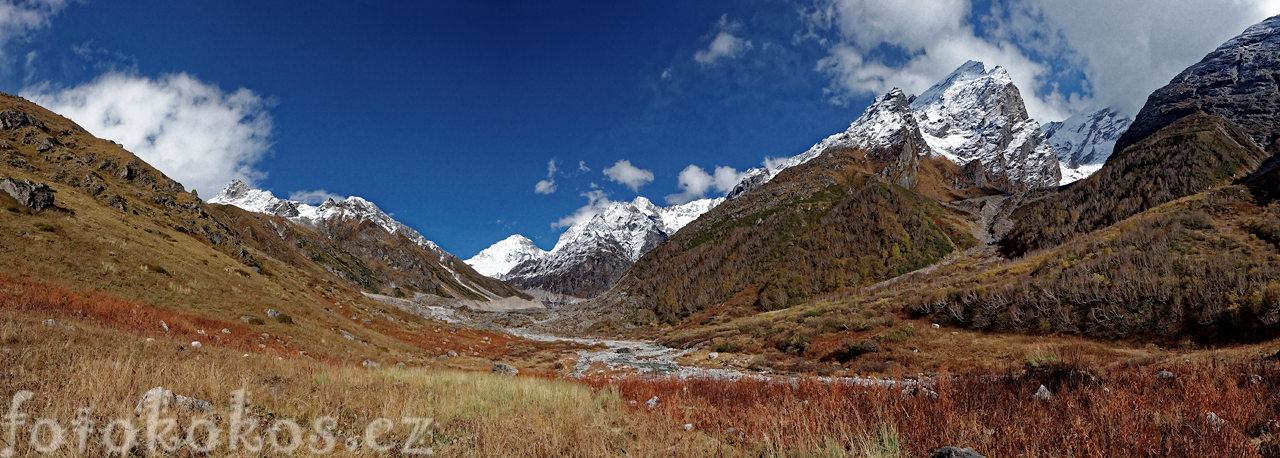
x=881, y=127
x=591, y=254
x=503, y=256
x=1084, y=141
x=355, y=208
x=978, y=115
x=971, y=115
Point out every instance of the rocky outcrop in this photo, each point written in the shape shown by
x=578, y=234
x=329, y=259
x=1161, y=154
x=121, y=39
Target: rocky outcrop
x=1239, y=82
x=11, y=119
x=38, y=196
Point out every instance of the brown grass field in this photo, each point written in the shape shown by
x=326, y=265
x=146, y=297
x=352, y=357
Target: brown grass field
x=1100, y=407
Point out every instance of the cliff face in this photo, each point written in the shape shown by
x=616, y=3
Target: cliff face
x=1239, y=82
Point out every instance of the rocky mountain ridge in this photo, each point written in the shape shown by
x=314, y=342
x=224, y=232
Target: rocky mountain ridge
x=592, y=253
x=358, y=226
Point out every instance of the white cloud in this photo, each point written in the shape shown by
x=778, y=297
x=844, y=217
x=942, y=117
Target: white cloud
x=633, y=177
x=935, y=36
x=316, y=197
x=20, y=18
x=1124, y=49
x=694, y=182
x=724, y=45
x=192, y=131
x=548, y=185
x=582, y=167
x=1129, y=49
x=597, y=200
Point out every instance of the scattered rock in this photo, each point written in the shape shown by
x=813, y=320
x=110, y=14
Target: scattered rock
x=453, y=354
x=504, y=369
x=713, y=355
x=196, y=344
x=1255, y=379
x=919, y=390
x=47, y=144
x=1043, y=394
x=368, y=363
x=688, y=427
x=56, y=324
x=1212, y=419
x=226, y=331
x=955, y=452
x=164, y=326
x=38, y=196
x=273, y=313
x=652, y=402
x=1164, y=375
x=937, y=326
x=163, y=399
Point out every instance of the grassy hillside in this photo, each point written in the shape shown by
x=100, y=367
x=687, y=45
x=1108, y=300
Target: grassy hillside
x=1191, y=155
x=1205, y=267
x=123, y=230
x=818, y=227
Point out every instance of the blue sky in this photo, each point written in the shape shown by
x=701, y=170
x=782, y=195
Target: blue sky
x=446, y=114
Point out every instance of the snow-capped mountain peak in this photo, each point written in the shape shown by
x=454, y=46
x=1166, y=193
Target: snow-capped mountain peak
x=1085, y=140
x=973, y=114
x=498, y=259
x=592, y=253
x=979, y=115
x=239, y=194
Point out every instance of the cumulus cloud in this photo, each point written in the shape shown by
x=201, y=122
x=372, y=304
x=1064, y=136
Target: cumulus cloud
x=192, y=131
x=1125, y=50
x=582, y=167
x=622, y=172
x=548, y=185
x=936, y=37
x=724, y=45
x=597, y=200
x=694, y=182
x=20, y=18
x=316, y=197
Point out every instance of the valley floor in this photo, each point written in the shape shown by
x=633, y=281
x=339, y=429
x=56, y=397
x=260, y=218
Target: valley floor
x=1208, y=404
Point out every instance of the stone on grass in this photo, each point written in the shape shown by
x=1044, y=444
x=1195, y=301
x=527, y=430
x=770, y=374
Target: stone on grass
x=955, y=452
x=1043, y=394
x=162, y=399
x=504, y=369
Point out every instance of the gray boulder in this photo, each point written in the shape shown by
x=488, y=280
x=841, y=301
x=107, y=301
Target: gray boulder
x=1043, y=394
x=162, y=399
x=955, y=452
x=504, y=369
x=32, y=194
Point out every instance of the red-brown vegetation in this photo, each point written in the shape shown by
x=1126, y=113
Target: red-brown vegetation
x=1117, y=412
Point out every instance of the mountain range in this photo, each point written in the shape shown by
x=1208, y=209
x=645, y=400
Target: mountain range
x=973, y=118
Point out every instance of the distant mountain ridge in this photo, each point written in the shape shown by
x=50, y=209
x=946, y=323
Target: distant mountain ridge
x=591, y=254
x=359, y=227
